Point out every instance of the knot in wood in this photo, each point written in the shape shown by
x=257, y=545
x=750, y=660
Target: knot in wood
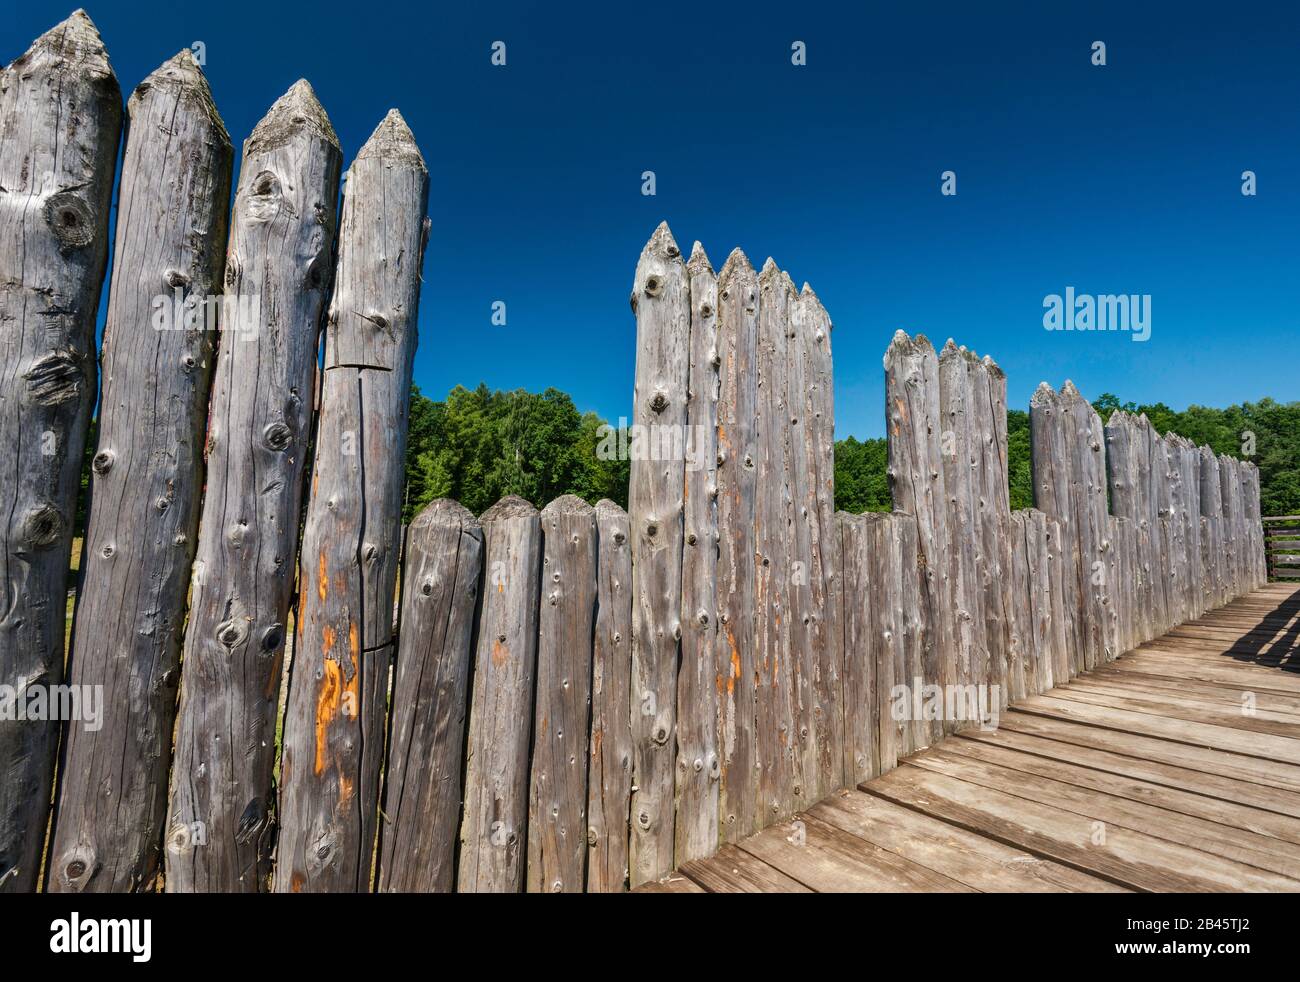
x=70, y=219
x=658, y=402
x=103, y=462
x=653, y=286
x=272, y=637
x=277, y=436
x=175, y=278
x=42, y=527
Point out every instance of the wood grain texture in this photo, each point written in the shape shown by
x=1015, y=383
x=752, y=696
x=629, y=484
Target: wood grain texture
x=60, y=122
x=557, y=800
x=609, y=783
x=441, y=575
x=775, y=725
x=698, y=761
x=493, y=835
x=147, y=483
x=916, y=483
x=813, y=330
x=661, y=302
x=336, y=715
x=737, y=474
x=860, y=668
x=220, y=825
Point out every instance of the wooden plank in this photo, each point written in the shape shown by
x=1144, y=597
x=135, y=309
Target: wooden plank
x=335, y=718
x=1200, y=734
x=775, y=725
x=916, y=484
x=1187, y=695
x=737, y=450
x=1134, y=859
x=1227, y=813
x=492, y=832
x=733, y=870
x=247, y=555
x=671, y=884
x=557, y=799
x=698, y=765
x=147, y=485
x=1207, y=836
x=422, y=782
x=981, y=863
x=829, y=860
x=1054, y=745
x=609, y=780
x=60, y=121
x=661, y=302
x=1223, y=763
x=1232, y=716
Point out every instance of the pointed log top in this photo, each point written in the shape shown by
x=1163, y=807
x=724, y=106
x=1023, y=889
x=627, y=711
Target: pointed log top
x=1070, y=391
x=662, y=244
x=393, y=140
x=296, y=111
x=736, y=263
x=1044, y=395
x=1120, y=418
x=182, y=75
x=992, y=367
x=76, y=43
x=807, y=291
x=769, y=269
x=444, y=512
x=511, y=506
x=949, y=349
x=699, y=261
x=904, y=345
x=567, y=504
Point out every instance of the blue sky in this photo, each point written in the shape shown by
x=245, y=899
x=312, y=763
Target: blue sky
x=1117, y=179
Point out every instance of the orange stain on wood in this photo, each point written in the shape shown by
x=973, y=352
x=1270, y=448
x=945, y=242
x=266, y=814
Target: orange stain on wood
x=322, y=578
x=333, y=689
x=500, y=653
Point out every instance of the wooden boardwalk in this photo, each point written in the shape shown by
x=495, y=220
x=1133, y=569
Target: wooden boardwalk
x=1174, y=768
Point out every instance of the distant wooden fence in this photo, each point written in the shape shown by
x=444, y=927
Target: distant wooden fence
x=573, y=699
x=1282, y=543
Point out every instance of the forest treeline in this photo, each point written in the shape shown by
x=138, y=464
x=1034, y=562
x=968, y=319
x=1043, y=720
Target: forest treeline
x=479, y=445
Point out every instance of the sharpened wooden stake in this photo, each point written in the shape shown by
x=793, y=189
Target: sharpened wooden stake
x=661, y=302
x=698, y=766
x=60, y=121
x=335, y=719
x=279, y=267
x=147, y=483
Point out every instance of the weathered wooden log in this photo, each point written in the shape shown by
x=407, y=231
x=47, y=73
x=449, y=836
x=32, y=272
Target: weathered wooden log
x=661, y=302
x=1058, y=598
x=557, y=797
x=1254, y=526
x=1022, y=666
x=1042, y=613
x=1179, y=566
x=609, y=784
x=1189, y=464
x=1212, y=511
x=220, y=825
x=698, y=766
x=916, y=483
x=1158, y=500
x=993, y=513
x=737, y=475
x=1231, y=490
x=912, y=621
x=774, y=695
x=824, y=772
x=1051, y=441
x=961, y=452
x=493, y=832
x=60, y=121
x=147, y=483
x=336, y=715
x=441, y=576
x=860, y=671
x=879, y=555
x=1089, y=463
